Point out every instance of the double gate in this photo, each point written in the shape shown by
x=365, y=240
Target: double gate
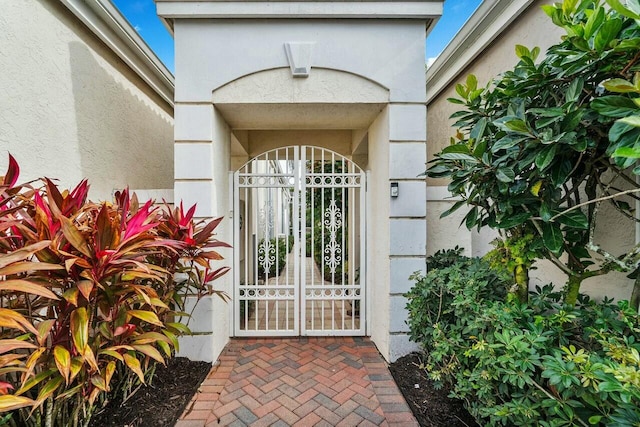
x=299, y=244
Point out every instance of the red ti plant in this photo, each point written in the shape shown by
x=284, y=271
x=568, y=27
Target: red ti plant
x=89, y=293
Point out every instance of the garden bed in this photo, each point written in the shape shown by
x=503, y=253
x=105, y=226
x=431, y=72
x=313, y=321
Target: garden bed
x=161, y=403
x=431, y=407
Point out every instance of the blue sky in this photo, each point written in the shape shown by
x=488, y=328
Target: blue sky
x=142, y=16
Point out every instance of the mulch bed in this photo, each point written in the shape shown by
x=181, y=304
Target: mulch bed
x=161, y=403
x=431, y=407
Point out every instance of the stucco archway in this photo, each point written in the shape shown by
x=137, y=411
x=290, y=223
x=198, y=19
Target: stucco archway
x=269, y=109
x=240, y=92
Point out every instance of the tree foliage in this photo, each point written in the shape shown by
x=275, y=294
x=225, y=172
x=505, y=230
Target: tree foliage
x=534, y=150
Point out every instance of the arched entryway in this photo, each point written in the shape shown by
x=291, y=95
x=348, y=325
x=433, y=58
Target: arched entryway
x=299, y=233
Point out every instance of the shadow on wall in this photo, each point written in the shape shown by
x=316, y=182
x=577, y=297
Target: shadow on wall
x=124, y=138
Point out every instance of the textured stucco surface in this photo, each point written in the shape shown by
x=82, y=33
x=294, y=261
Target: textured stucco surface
x=389, y=52
x=366, y=82
x=614, y=232
x=70, y=109
x=378, y=266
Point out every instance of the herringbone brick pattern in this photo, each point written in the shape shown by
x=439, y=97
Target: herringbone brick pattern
x=299, y=382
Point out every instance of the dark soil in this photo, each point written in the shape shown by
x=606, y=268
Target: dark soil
x=161, y=403
x=431, y=407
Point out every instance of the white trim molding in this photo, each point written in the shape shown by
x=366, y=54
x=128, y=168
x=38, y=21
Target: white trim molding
x=106, y=22
x=426, y=10
x=489, y=21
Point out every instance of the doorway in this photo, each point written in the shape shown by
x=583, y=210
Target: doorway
x=299, y=222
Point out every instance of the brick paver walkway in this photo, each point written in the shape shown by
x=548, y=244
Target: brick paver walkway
x=301, y=382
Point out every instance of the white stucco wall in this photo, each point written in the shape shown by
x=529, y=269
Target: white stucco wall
x=202, y=163
x=378, y=232
x=366, y=75
x=614, y=232
x=70, y=109
x=390, y=53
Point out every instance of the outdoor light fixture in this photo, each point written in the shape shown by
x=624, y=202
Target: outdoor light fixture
x=395, y=190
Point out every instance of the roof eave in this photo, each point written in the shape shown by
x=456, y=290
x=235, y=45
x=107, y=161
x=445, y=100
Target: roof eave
x=108, y=24
x=485, y=25
x=403, y=9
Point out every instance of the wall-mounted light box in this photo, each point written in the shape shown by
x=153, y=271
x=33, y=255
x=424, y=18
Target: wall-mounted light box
x=395, y=189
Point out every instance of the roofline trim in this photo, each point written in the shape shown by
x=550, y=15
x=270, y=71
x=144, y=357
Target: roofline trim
x=485, y=25
x=106, y=22
x=404, y=9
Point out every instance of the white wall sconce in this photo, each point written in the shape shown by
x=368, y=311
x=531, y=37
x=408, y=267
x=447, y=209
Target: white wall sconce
x=395, y=189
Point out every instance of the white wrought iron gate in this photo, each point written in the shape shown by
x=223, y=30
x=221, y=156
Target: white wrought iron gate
x=299, y=244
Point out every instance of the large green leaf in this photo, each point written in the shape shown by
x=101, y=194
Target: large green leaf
x=517, y=125
x=62, y=358
x=574, y=90
x=615, y=106
x=458, y=156
x=619, y=86
x=622, y=10
x=456, y=148
x=80, y=329
x=147, y=316
x=506, y=142
x=560, y=172
x=505, y=174
x=618, y=130
x=478, y=130
x=457, y=205
x=546, y=156
x=545, y=212
x=514, y=220
x=134, y=365
x=575, y=218
x=631, y=120
x=35, y=380
x=49, y=388
x=628, y=152
x=594, y=22
x=552, y=237
x=471, y=218
x=606, y=33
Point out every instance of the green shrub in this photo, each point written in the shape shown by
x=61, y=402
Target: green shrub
x=88, y=295
x=452, y=283
x=277, y=259
x=445, y=258
x=544, y=363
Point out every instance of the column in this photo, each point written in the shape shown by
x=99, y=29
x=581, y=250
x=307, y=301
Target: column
x=407, y=215
x=201, y=165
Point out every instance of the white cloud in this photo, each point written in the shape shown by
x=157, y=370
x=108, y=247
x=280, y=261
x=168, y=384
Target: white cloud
x=138, y=6
x=138, y=28
x=430, y=61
